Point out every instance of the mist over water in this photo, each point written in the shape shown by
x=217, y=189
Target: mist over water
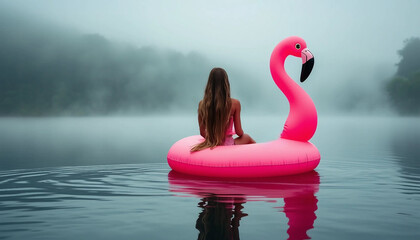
x=69, y=141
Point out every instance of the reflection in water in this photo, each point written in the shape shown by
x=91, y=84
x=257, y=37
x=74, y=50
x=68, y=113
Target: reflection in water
x=219, y=218
x=222, y=201
x=405, y=147
x=300, y=211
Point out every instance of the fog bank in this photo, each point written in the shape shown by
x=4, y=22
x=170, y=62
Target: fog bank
x=355, y=46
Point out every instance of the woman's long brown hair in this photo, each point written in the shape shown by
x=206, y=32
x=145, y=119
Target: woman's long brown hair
x=214, y=109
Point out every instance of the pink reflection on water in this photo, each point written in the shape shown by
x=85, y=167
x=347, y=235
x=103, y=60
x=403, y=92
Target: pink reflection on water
x=222, y=199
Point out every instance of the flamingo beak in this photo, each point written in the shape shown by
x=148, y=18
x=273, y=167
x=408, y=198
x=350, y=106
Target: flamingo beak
x=307, y=64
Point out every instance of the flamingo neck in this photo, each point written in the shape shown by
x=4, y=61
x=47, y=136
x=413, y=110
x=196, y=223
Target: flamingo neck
x=302, y=120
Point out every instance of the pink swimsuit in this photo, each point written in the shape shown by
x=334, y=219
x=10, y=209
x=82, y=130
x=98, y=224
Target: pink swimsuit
x=229, y=134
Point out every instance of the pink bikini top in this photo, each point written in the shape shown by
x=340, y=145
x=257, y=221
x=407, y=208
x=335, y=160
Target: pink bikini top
x=230, y=130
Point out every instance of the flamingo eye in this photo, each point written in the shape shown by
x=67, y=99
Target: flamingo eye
x=297, y=46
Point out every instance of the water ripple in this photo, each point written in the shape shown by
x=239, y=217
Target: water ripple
x=78, y=183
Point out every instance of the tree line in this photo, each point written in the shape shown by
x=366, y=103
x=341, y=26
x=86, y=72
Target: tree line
x=44, y=71
x=404, y=88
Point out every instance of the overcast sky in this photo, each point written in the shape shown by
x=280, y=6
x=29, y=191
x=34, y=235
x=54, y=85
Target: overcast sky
x=354, y=42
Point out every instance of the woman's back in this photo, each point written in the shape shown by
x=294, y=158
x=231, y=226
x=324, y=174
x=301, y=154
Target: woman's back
x=230, y=130
x=218, y=113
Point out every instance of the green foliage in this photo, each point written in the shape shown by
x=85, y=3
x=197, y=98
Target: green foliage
x=410, y=58
x=404, y=88
x=405, y=94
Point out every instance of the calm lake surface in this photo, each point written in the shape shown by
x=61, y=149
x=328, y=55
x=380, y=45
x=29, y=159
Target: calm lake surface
x=107, y=178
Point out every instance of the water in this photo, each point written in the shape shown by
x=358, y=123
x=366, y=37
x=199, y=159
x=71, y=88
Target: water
x=367, y=185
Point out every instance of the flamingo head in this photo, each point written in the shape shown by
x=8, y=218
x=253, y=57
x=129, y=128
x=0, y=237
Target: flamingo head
x=296, y=46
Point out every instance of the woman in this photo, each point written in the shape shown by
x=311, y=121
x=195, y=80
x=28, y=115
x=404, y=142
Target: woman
x=218, y=112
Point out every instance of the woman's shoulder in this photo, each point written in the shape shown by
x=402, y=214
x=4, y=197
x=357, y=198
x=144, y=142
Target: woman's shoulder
x=235, y=102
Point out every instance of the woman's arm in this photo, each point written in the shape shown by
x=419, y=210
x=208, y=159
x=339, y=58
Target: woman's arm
x=202, y=127
x=237, y=117
x=201, y=124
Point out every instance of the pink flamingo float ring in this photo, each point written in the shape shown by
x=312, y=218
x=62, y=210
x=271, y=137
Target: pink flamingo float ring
x=290, y=154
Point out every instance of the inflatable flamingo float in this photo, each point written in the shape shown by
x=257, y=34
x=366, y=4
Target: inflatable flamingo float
x=287, y=155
